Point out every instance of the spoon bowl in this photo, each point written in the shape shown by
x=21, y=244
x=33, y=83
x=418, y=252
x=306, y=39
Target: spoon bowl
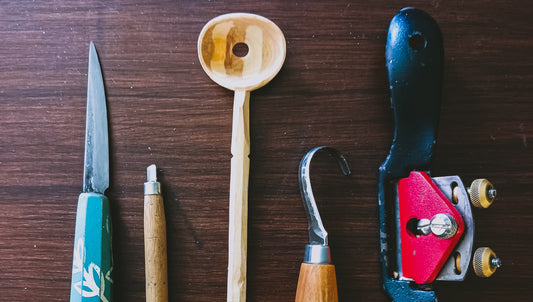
x=219, y=42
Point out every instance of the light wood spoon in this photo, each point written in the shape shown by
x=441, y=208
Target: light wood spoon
x=241, y=52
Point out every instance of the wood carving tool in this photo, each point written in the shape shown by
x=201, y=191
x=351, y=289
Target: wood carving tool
x=241, y=52
x=155, y=239
x=317, y=281
x=92, y=263
x=426, y=223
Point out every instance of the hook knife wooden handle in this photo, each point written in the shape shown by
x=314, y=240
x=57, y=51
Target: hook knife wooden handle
x=317, y=283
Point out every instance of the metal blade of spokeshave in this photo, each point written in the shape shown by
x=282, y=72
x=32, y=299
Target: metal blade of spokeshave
x=96, y=165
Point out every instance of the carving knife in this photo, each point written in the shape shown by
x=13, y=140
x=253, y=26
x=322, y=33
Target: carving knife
x=92, y=263
x=155, y=239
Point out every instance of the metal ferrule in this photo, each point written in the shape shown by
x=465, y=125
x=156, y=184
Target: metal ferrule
x=152, y=188
x=317, y=254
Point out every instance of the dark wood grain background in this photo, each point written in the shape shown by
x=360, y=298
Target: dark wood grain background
x=163, y=109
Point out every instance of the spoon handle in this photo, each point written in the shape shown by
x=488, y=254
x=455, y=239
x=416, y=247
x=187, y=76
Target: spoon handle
x=238, y=206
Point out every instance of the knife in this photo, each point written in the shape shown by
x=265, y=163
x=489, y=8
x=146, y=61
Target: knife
x=92, y=262
x=155, y=239
x=317, y=281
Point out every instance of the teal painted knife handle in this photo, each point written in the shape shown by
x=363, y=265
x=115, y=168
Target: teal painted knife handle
x=92, y=263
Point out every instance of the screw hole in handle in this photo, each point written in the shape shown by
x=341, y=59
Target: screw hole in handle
x=417, y=42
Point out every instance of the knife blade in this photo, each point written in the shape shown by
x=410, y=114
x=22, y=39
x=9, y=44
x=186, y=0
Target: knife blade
x=92, y=263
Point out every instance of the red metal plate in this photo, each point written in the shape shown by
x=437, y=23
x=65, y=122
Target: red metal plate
x=424, y=256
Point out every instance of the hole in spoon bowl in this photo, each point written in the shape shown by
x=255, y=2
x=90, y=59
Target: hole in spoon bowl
x=240, y=49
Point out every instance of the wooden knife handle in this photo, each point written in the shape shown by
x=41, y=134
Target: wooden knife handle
x=317, y=283
x=155, y=249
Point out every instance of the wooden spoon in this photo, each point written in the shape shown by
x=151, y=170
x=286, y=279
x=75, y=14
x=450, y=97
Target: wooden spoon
x=241, y=52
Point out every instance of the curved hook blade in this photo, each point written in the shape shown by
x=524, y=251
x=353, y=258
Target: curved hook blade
x=317, y=233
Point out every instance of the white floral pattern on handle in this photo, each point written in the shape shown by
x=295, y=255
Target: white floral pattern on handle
x=88, y=283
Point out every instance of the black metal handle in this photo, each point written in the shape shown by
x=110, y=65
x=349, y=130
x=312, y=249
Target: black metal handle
x=414, y=56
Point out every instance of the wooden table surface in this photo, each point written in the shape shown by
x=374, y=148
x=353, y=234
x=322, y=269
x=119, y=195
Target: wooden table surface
x=163, y=109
